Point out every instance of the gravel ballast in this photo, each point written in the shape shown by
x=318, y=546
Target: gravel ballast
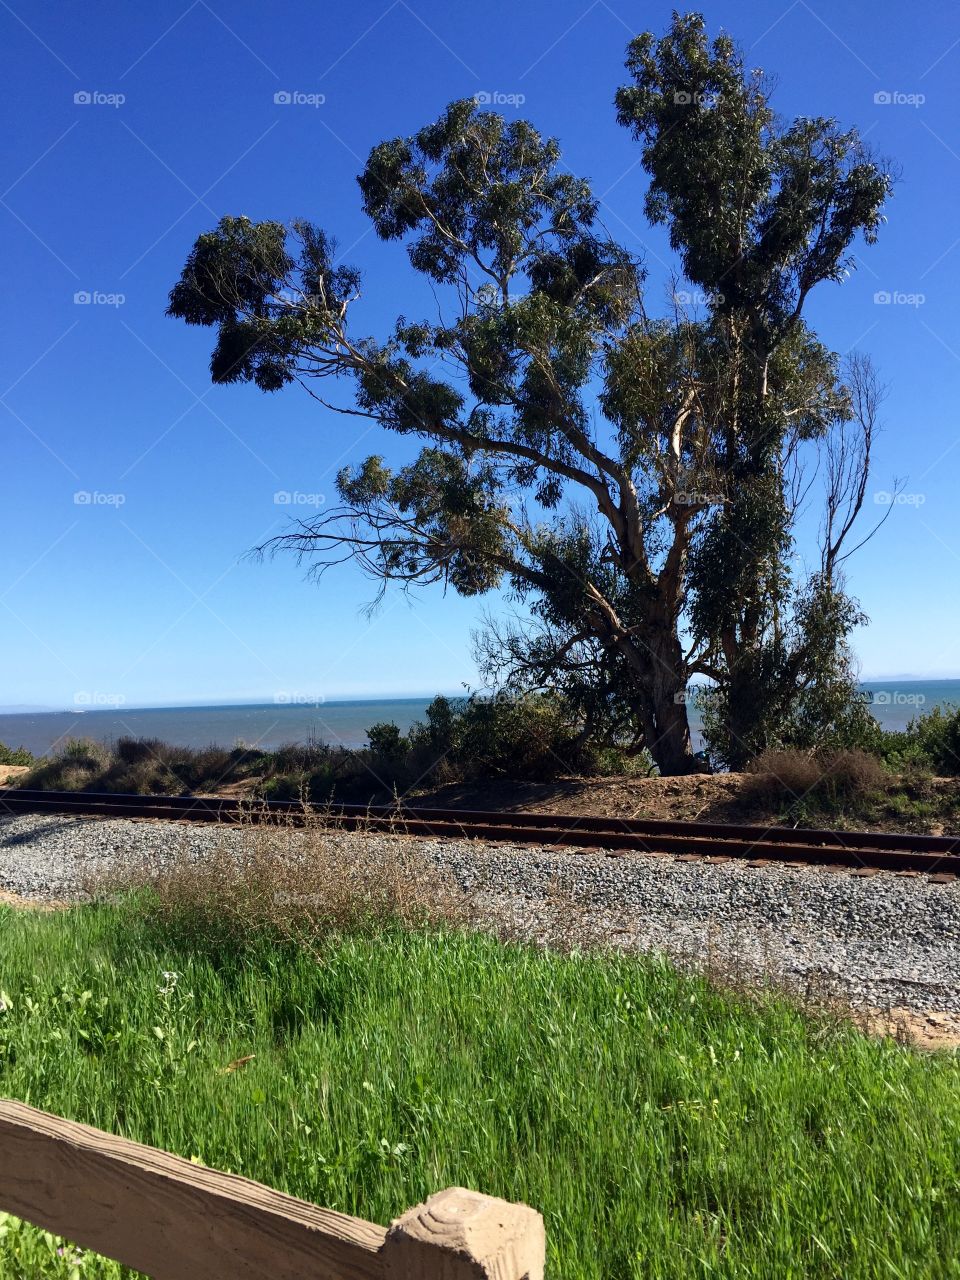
x=880, y=942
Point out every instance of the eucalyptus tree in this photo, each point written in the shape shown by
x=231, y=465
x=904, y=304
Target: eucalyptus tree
x=624, y=474
x=760, y=213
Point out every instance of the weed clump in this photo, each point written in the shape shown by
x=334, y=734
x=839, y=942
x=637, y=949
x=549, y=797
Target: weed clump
x=830, y=777
x=284, y=883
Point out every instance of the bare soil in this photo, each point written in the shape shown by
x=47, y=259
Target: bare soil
x=10, y=772
x=930, y=1031
x=8, y=899
x=697, y=798
x=717, y=798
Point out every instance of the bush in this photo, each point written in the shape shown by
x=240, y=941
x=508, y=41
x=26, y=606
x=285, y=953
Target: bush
x=536, y=737
x=937, y=735
x=309, y=883
x=533, y=737
x=930, y=743
x=852, y=773
x=15, y=755
x=387, y=742
x=825, y=776
x=784, y=773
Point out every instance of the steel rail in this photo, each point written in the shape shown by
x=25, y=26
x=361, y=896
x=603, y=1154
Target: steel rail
x=869, y=850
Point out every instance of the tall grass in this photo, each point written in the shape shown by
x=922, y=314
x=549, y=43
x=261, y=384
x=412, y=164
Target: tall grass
x=663, y=1127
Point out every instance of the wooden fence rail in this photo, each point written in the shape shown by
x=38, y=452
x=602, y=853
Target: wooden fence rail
x=175, y=1220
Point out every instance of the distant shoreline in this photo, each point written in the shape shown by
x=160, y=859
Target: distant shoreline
x=340, y=722
x=872, y=685
x=293, y=700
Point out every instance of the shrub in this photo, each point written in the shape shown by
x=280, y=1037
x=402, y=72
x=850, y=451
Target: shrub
x=386, y=741
x=930, y=743
x=299, y=757
x=15, y=755
x=535, y=736
x=294, y=884
x=826, y=776
x=851, y=773
x=133, y=750
x=784, y=773
x=938, y=737
x=78, y=758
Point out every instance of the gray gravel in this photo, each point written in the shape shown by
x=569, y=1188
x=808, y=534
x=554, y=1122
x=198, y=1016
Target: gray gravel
x=882, y=941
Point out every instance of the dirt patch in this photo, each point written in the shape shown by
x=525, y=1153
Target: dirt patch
x=10, y=772
x=715, y=798
x=246, y=787
x=930, y=1031
x=8, y=899
x=697, y=798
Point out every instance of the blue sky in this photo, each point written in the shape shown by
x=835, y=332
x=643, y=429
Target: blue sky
x=145, y=595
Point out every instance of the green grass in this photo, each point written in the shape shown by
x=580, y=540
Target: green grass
x=662, y=1127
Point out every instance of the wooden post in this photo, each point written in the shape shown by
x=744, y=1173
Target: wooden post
x=175, y=1220
x=463, y=1235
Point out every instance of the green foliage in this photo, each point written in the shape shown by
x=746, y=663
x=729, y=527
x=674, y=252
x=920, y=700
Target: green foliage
x=238, y=279
x=486, y=737
x=662, y=1127
x=756, y=210
x=625, y=476
x=15, y=755
x=143, y=765
x=475, y=738
x=937, y=734
x=796, y=690
x=387, y=742
x=441, y=178
x=930, y=742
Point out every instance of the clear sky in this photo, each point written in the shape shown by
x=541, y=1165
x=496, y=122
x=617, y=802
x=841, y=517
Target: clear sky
x=132, y=128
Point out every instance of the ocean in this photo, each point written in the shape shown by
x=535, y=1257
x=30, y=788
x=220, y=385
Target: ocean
x=270, y=725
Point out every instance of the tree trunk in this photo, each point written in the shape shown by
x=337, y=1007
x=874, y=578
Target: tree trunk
x=671, y=748
x=669, y=729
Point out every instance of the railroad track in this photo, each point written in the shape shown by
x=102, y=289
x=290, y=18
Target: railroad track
x=865, y=852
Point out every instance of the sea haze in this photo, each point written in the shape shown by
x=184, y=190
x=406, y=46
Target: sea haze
x=270, y=725
x=266, y=725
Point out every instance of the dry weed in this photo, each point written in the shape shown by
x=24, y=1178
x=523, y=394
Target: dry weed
x=296, y=881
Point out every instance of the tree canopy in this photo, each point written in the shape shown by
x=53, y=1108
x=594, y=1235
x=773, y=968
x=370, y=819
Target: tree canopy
x=633, y=478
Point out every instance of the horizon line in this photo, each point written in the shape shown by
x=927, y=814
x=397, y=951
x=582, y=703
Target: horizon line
x=337, y=700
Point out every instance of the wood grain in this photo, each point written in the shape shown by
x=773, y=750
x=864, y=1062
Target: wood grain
x=167, y=1217
x=463, y=1235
